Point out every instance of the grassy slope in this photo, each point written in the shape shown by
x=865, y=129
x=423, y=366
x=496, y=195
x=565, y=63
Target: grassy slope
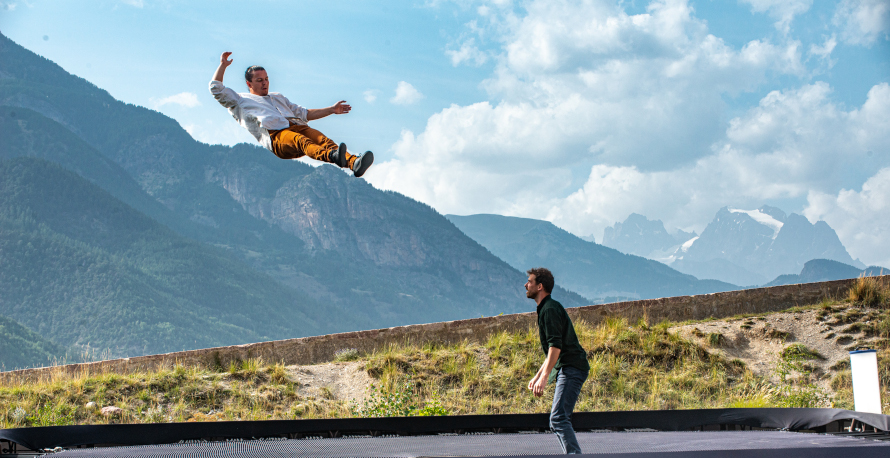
x=633, y=367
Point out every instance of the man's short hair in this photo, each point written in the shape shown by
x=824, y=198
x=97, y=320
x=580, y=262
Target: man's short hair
x=544, y=277
x=248, y=74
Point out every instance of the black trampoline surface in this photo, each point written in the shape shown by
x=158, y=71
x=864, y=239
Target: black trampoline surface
x=693, y=443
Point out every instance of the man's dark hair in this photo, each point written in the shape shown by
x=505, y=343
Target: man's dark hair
x=248, y=74
x=543, y=277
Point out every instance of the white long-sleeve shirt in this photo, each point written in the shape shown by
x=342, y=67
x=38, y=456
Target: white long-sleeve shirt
x=259, y=114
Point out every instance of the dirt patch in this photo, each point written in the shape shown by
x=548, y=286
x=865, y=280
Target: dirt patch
x=759, y=340
x=337, y=381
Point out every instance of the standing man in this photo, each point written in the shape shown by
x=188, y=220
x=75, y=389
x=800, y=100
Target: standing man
x=566, y=360
x=280, y=125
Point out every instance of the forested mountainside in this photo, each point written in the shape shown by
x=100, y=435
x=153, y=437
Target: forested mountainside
x=86, y=269
x=20, y=347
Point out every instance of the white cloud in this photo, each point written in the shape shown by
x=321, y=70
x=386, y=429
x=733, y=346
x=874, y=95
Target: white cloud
x=781, y=10
x=183, y=99
x=8, y=6
x=406, y=94
x=469, y=53
x=645, y=89
x=860, y=218
x=863, y=22
x=134, y=3
x=581, y=84
x=370, y=95
x=823, y=51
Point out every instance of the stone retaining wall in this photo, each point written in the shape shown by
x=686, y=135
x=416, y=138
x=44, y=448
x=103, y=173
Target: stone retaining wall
x=318, y=349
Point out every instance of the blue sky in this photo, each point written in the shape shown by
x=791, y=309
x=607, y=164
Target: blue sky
x=576, y=112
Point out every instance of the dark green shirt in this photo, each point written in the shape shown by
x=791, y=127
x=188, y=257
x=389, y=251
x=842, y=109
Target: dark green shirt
x=556, y=330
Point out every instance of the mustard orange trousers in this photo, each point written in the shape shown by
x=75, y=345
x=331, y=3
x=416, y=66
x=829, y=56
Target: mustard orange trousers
x=299, y=140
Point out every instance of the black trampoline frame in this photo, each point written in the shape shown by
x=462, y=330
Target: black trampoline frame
x=789, y=419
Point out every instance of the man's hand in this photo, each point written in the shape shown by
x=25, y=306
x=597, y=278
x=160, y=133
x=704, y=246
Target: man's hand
x=538, y=387
x=538, y=383
x=341, y=107
x=224, y=63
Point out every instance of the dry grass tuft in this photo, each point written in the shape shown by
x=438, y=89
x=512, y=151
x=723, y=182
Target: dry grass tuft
x=870, y=292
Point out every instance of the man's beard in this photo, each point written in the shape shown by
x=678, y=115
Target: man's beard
x=529, y=294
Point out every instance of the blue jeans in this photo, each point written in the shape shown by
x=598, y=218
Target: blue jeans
x=568, y=387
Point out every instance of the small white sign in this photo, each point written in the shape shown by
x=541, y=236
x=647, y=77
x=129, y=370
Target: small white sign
x=866, y=385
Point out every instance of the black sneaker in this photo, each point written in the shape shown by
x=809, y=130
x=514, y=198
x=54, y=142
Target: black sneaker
x=361, y=164
x=339, y=157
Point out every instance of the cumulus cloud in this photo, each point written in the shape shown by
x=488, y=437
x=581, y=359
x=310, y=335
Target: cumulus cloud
x=406, y=94
x=859, y=217
x=781, y=10
x=579, y=84
x=183, y=99
x=370, y=95
x=469, y=53
x=641, y=89
x=823, y=51
x=863, y=21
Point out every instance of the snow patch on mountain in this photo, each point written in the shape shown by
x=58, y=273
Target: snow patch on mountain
x=762, y=218
x=685, y=246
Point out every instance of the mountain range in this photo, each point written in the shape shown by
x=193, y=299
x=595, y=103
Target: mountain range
x=595, y=271
x=743, y=247
x=819, y=270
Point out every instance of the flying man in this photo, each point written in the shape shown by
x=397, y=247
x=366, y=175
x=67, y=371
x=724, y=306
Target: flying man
x=280, y=125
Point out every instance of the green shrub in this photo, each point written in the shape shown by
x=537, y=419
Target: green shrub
x=52, y=415
x=401, y=401
x=799, y=351
x=716, y=339
x=346, y=354
x=799, y=391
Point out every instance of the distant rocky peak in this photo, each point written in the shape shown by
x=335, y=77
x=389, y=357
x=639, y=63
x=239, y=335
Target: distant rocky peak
x=682, y=236
x=638, y=235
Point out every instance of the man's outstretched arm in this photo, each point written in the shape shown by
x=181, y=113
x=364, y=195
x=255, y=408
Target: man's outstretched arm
x=340, y=107
x=224, y=63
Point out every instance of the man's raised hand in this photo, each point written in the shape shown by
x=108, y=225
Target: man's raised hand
x=341, y=107
x=224, y=62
